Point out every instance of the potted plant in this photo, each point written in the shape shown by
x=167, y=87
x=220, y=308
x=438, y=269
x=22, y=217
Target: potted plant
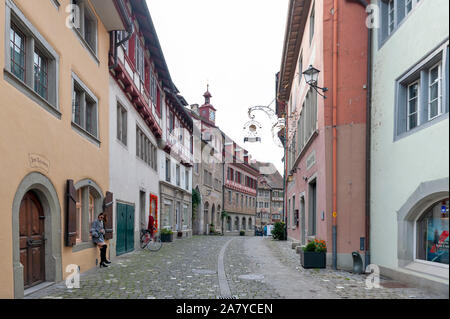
x=313, y=255
x=166, y=235
x=212, y=229
x=242, y=233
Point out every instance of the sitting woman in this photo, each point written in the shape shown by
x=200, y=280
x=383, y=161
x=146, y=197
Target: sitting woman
x=97, y=231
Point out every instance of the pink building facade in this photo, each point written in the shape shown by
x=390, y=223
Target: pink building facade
x=323, y=190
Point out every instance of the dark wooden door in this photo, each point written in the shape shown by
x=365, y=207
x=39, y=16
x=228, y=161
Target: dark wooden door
x=32, y=244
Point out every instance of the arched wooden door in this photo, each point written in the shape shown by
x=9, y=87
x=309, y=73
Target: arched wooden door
x=32, y=244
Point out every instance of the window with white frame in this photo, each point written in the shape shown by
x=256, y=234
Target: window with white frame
x=307, y=122
x=311, y=23
x=435, y=92
x=87, y=28
x=32, y=64
x=84, y=108
x=422, y=93
x=168, y=177
x=140, y=58
x=177, y=170
x=145, y=150
x=408, y=6
x=391, y=16
x=413, y=102
x=120, y=36
x=122, y=124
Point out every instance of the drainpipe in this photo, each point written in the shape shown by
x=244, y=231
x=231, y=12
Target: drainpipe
x=335, y=88
x=129, y=28
x=285, y=165
x=368, y=137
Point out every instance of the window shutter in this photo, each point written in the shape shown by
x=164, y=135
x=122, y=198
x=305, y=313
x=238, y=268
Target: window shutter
x=384, y=20
x=401, y=10
x=108, y=210
x=125, y=127
x=402, y=105
x=71, y=214
x=445, y=82
x=423, y=97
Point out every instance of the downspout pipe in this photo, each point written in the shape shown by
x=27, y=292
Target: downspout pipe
x=367, y=261
x=129, y=29
x=334, y=120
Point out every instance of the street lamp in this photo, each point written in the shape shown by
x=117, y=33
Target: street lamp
x=311, y=76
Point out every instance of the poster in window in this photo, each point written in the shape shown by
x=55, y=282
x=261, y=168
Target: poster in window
x=437, y=238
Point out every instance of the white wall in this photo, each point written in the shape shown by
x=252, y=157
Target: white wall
x=399, y=167
x=129, y=174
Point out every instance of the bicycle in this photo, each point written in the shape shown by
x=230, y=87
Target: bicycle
x=152, y=244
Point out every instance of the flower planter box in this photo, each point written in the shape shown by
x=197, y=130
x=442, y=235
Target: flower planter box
x=312, y=259
x=166, y=238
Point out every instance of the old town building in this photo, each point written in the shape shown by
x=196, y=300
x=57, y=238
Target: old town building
x=325, y=161
x=175, y=158
x=137, y=84
x=207, y=179
x=270, y=195
x=240, y=185
x=55, y=143
x=409, y=180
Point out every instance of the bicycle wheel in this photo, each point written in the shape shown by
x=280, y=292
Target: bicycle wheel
x=145, y=239
x=155, y=244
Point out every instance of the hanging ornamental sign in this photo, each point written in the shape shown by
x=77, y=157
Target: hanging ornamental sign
x=253, y=127
x=252, y=131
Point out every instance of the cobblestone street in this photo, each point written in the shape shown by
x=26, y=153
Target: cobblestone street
x=254, y=267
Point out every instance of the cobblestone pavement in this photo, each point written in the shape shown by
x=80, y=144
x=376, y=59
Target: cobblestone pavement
x=255, y=267
x=336, y=284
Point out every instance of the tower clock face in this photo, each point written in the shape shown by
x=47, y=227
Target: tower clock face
x=212, y=116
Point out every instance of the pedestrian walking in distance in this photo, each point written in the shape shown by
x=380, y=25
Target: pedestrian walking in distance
x=97, y=231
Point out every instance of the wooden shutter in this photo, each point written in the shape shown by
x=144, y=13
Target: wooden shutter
x=71, y=214
x=108, y=210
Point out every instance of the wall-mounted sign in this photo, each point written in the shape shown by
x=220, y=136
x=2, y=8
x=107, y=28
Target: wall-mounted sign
x=311, y=160
x=39, y=162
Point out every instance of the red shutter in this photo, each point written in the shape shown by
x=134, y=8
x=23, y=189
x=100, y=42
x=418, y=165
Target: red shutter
x=158, y=102
x=108, y=210
x=71, y=214
x=132, y=49
x=147, y=75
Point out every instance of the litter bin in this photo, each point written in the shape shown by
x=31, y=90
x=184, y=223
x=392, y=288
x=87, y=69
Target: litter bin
x=357, y=263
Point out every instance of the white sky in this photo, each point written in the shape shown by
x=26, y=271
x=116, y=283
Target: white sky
x=236, y=46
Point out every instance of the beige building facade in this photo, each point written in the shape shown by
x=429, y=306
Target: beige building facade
x=54, y=92
x=207, y=177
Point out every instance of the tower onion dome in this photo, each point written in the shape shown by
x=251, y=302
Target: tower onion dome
x=207, y=96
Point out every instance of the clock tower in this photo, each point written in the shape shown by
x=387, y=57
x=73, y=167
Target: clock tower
x=207, y=111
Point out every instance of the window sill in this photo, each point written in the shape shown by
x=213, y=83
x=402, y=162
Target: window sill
x=122, y=144
x=429, y=268
x=421, y=127
x=28, y=91
x=143, y=162
x=86, y=46
x=91, y=138
x=83, y=246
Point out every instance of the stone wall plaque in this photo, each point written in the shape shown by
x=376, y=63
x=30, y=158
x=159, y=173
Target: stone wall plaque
x=39, y=162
